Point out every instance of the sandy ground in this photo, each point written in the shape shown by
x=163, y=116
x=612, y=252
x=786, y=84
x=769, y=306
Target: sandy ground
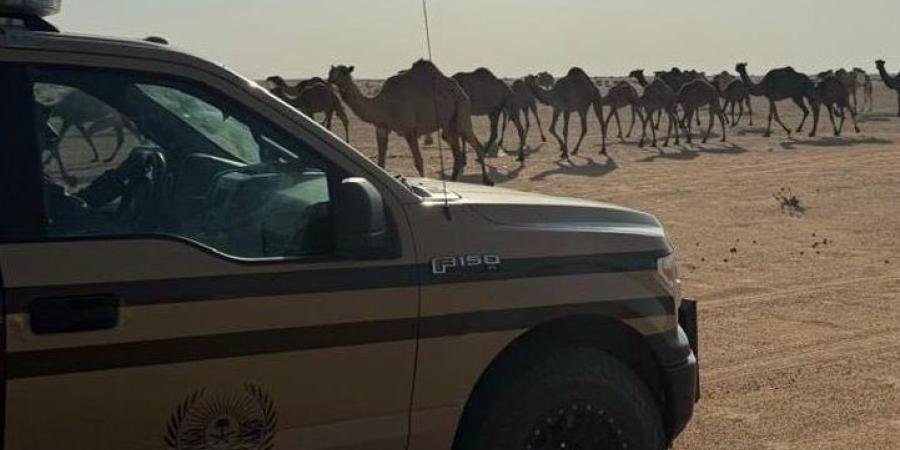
x=800, y=337
x=799, y=315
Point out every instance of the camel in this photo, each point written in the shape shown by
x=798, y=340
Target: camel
x=890, y=81
x=545, y=80
x=491, y=97
x=833, y=94
x=619, y=96
x=736, y=95
x=413, y=103
x=865, y=81
x=89, y=116
x=848, y=79
x=310, y=97
x=781, y=84
x=657, y=97
x=694, y=95
x=523, y=102
x=574, y=92
x=676, y=78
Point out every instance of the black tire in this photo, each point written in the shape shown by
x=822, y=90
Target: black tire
x=580, y=399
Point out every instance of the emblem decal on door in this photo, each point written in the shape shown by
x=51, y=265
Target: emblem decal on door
x=242, y=420
x=472, y=263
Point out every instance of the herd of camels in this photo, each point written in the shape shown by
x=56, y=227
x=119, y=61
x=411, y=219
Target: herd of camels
x=421, y=101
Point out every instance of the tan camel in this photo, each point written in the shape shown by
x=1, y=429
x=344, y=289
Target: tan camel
x=658, y=97
x=833, y=94
x=892, y=82
x=413, y=103
x=524, y=103
x=619, y=96
x=694, y=95
x=310, y=97
x=574, y=92
x=491, y=97
x=864, y=81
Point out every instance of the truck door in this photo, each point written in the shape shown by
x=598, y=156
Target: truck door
x=176, y=282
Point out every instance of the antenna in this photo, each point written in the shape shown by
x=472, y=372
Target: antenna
x=434, y=99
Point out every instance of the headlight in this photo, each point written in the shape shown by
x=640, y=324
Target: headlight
x=668, y=271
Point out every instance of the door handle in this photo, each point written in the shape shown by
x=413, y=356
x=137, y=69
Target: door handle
x=73, y=314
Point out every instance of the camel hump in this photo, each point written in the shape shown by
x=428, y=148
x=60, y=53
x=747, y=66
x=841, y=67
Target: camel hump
x=483, y=72
x=577, y=72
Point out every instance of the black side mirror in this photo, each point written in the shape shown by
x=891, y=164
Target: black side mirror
x=360, y=221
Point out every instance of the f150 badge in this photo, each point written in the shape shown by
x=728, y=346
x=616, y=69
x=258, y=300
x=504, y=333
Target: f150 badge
x=474, y=263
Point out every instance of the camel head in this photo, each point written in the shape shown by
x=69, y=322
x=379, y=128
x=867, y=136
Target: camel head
x=740, y=67
x=340, y=74
x=276, y=81
x=637, y=73
x=879, y=63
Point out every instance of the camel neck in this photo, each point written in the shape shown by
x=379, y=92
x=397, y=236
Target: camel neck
x=364, y=107
x=543, y=95
x=886, y=77
x=641, y=79
x=751, y=86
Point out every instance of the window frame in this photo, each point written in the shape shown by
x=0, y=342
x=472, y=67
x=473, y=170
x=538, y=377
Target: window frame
x=335, y=171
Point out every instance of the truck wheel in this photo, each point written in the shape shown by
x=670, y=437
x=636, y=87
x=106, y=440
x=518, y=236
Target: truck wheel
x=571, y=399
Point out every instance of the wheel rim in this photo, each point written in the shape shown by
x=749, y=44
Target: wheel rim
x=576, y=426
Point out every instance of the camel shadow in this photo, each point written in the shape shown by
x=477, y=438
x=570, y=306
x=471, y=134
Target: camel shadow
x=750, y=130
x=682, y=154
x=834, y=141
x=723, y=148
x=591, y=169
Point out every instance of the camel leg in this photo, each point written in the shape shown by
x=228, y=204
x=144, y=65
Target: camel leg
x=634, y=112
x=469, y=136
x=120, y=142
x=90, y=141
x=750, y=110
x=853, y=116
x=505, y=117
x=459, y=156
x=689, y=124
x=604, y=128
x=328, y=117
x=843, y=119
x=643, y=131
x=649, y=121
x=527, y=121
x=413, y=141
x=658, y=118
x=522, y=132
x=831, y=117
x=721, y=115
x=740, y=113
x=815, y=113
x=537, y=119
x=565, y=147
x=615, y=112
x=491, y=145
x=778, y=119
x=342, y=116
x=553, y=132
x=802, y=105
x=381, y=138
x=583, y=117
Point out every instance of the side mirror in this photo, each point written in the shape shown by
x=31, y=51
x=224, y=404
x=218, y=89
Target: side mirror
x=360, y=221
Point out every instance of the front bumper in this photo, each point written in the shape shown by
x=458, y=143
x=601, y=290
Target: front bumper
x=677, y=353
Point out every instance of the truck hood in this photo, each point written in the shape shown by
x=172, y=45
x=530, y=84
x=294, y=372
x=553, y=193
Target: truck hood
x=516, y=208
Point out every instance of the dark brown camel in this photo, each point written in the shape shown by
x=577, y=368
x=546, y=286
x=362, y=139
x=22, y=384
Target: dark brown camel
x=524, y=103
x=835, y=97
x=659, y=98
x=545, y=80
x=413, y=103
x=574, y=92
x=892, y=82
x=781, y=84
x=694, y=95
x=312, y=96
x=736, y=95
x=619, y=96
x=491, y=97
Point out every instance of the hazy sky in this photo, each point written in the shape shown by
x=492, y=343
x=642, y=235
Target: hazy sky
x=299, y=38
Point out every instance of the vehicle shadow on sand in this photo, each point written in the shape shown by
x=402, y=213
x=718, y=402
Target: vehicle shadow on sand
x=591, y=168
x=833, y=141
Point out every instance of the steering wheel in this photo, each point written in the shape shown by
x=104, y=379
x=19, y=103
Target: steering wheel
x=145, y=174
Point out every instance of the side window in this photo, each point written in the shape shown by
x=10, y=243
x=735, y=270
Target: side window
x=127, y=155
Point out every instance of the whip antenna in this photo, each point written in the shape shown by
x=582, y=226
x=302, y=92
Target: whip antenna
x=437, y=122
